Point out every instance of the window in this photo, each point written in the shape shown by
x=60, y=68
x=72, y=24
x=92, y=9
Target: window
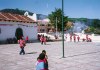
x=42, y=30
x=42, y=25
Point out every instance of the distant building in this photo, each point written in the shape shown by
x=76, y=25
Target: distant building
x=44, y=25
x=16, y=26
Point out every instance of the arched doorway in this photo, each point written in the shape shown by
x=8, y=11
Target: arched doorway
x=19, y=33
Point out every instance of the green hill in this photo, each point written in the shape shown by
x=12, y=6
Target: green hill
x=15, y=11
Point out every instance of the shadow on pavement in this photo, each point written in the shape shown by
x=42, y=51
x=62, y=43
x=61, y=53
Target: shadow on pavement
x=31, y=53
x=83, y=54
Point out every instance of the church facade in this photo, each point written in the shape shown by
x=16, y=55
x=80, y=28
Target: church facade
x=14, y=26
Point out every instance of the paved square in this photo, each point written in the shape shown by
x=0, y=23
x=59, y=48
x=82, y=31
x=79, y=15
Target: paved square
x=78, y=56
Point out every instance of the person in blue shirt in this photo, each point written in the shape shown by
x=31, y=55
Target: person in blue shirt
x=40, y=64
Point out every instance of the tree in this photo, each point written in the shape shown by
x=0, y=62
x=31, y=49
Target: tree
x=96, y=23
x=90, y=29
x=94, y=28
x=69, y=25
x=57, y=14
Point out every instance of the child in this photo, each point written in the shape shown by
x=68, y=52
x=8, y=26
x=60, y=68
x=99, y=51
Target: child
x=40, y=64
x=78, y=38
x=43, y=51
x=44, y=40
x=27, y=39
x=41, y=39
x=45, y=59
x=22, y=45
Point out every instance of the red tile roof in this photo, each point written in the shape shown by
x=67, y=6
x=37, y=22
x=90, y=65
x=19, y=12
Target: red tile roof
x=15, y=18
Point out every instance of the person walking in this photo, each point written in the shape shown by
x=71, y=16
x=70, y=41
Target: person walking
x=22, y=45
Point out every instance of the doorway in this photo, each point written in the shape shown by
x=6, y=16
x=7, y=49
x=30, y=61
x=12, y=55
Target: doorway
x=19, y=33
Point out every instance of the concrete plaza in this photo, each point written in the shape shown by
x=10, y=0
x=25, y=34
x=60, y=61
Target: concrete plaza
x=78, y=56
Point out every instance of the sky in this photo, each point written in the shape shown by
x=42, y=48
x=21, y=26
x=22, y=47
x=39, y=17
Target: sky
x=72, y=8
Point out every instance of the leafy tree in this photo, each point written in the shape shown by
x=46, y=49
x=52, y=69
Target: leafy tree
x=90, y=29
x=97, y=31
x=57, y=14
x=96, y=23
x=94, y=28
x=69, y=25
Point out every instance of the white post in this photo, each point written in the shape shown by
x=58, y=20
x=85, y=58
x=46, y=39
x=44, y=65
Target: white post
x=56, y=26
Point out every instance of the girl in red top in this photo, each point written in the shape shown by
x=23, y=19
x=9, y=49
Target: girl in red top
x=78, y=38
x=44, y=40
x=74, y=38
x=27, y=39
x=22, y=45
x=41, y=39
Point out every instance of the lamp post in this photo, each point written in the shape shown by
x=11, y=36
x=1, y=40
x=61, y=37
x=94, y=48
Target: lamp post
x=62, y=29
x=56, y=26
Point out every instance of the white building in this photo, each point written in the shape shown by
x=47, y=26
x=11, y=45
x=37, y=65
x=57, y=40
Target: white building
x=14, y=25
x=43, y=22
x=33, y=17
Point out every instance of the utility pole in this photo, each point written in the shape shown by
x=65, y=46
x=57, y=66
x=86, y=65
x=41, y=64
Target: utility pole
x=62, y=28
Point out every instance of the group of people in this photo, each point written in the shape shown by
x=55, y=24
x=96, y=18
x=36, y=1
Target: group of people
x=23, y=42
x=43, y=39
x=77, y=38
x=87, y=39
x=74, y=38
x=42, y=62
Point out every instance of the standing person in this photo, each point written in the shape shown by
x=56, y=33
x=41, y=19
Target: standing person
x=45, y=40
x=45, y=60
x=70, y=37
x=74, y=38
x=41, y=39
x=56, y=37
x=40, y=64
x=87, y=37
x=44, y=51
x=27, y=39
x=39, y=36
x=78, y=38
x=22, y=45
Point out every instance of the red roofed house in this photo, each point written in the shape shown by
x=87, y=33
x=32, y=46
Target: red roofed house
x=15, y=26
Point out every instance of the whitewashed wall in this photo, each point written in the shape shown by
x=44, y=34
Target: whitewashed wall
x=8, y=31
